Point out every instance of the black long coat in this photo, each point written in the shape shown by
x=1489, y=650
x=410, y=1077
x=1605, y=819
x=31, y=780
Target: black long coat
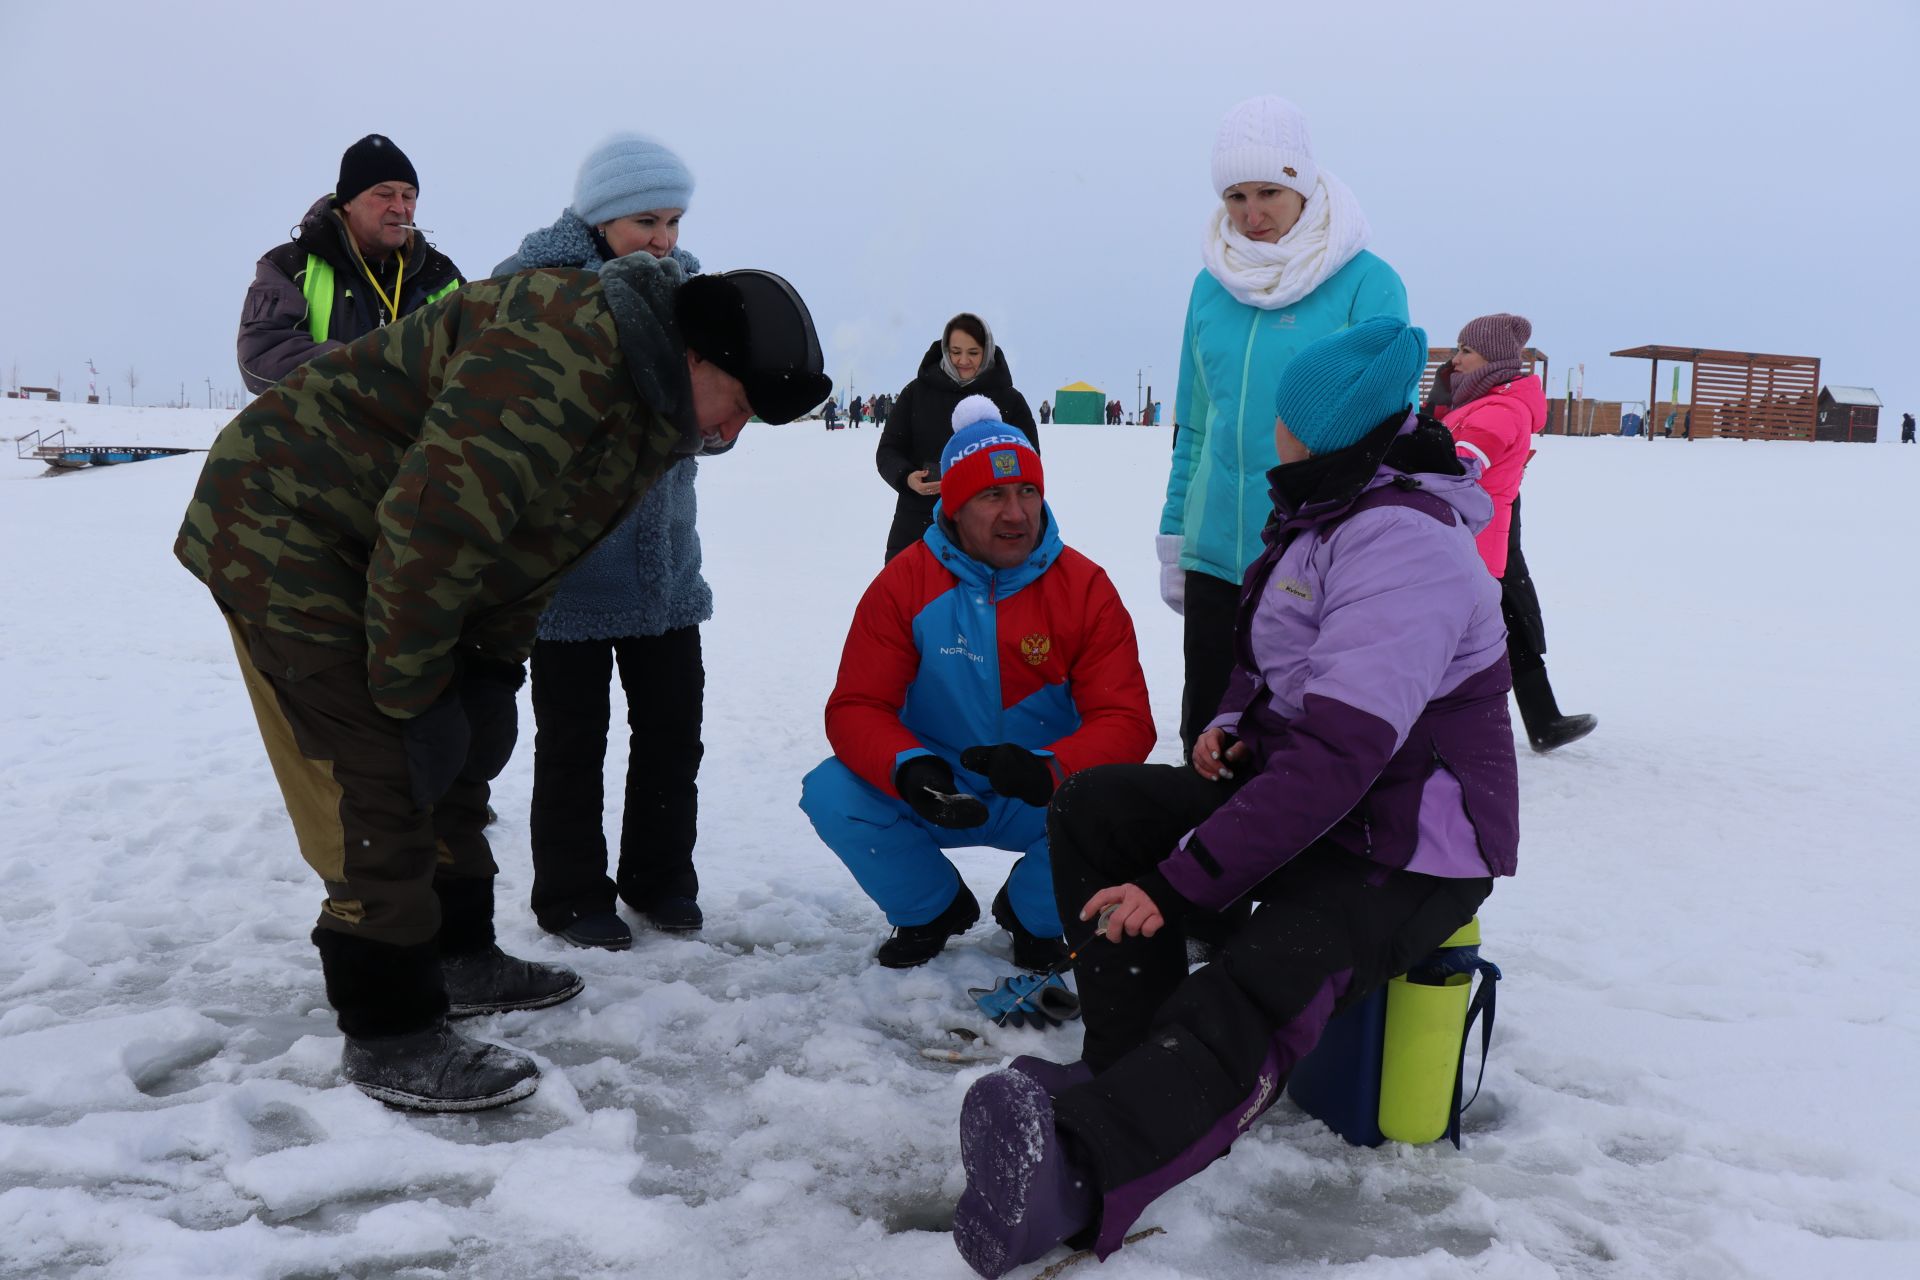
x=920, y=425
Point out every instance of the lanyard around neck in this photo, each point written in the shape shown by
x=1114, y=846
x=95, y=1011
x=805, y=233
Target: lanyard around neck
x=399, y=275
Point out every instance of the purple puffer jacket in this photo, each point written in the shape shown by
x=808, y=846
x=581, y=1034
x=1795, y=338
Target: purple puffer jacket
x=1371, y=692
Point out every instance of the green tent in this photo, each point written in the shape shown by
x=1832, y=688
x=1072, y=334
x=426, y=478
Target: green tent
x=1080, y=403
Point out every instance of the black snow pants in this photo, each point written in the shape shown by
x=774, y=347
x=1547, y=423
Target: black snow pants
x=1186, y=1062
x=665, y=685
x=1520, y=606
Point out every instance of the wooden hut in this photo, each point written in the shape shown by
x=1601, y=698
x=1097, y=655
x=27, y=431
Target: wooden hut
x=1848, y=413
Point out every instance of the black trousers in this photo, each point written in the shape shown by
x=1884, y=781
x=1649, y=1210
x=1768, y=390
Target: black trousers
x=1208, y=639
x=1520, y=606
x=665, y=684
x=1211, y=604
x=1186, y=1061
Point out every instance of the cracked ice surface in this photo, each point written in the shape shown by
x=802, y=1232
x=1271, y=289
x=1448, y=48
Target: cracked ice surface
x=1703, y=1059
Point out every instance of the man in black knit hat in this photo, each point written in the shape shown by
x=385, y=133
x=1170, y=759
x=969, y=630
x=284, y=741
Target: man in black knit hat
x=356, y=262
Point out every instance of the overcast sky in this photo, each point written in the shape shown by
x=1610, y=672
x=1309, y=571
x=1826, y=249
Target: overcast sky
x=1717, y=174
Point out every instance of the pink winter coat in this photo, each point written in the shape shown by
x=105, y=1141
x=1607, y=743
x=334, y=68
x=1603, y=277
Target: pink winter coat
x=1496, y=431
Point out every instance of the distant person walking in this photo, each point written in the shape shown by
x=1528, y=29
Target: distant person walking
x=1906, y=428
x=882, y=409
x=965, y=361
x=831, y=412
x=356, y=262
x=1493, y=411
x=856, y=409
x=1285, y=264
x=1046, y=413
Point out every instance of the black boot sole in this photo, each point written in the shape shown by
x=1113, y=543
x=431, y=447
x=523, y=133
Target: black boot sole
x=401, y=1100
x=508, y=1006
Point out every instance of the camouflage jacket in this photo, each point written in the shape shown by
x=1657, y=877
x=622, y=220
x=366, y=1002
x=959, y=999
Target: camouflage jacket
x=421, y=490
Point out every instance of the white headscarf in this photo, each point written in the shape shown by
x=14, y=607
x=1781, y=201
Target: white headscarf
x=1331, y=230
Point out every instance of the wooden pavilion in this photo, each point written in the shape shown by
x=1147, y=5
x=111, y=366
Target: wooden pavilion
x=1741, y=395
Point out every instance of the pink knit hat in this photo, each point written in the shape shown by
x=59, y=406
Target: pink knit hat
x=1498, y=337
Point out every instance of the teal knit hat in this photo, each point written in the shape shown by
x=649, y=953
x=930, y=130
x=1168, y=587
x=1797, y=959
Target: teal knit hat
x=1346, y=384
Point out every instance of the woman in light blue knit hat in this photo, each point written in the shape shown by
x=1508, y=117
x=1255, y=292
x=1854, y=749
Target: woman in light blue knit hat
x=636, y=601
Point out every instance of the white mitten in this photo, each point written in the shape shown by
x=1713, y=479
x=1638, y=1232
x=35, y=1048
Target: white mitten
x=1173, y=579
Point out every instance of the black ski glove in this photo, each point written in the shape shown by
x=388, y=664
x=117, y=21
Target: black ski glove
x=489, y=691
x=926, y=784
x=1013, y=771
x=436, y=743
x=1440, y=398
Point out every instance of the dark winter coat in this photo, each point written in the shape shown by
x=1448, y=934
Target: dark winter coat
x=318, y=281
x=920, y=425
x=418, y=493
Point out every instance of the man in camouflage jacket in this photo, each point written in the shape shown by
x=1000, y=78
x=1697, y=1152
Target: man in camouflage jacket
x=382, y=531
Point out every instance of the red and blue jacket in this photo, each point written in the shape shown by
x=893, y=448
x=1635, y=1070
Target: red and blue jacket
x=946, y=653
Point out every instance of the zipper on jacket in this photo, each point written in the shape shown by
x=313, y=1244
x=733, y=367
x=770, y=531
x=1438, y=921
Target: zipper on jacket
x=1240, y=445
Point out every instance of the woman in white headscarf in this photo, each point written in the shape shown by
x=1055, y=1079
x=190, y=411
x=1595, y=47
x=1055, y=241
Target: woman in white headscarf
x=1285, y=264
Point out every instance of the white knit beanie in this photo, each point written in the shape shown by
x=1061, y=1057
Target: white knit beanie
x=1264, y=139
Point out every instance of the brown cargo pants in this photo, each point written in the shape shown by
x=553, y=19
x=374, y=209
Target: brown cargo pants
x=342, y=769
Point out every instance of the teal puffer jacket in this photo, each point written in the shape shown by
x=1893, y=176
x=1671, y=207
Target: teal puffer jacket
x=1230, y=363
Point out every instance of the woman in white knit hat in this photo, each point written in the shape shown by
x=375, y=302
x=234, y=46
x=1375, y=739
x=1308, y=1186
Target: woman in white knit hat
x=1285, y=264
x=636, y=604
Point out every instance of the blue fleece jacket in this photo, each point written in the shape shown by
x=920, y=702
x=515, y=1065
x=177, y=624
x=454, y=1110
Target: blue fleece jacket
x=644, y=578
x=1230, y=364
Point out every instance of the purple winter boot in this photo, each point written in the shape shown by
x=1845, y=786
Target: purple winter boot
x=1055, y=1077
x=1025, y=1192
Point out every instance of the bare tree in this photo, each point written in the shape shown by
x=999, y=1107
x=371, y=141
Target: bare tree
x=133, y=385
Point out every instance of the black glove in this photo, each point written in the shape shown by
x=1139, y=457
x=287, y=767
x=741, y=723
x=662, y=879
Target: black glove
x=489, y=689
x=436, y=743
x=926, y=784
x=1012, y=771
x=1440, y=398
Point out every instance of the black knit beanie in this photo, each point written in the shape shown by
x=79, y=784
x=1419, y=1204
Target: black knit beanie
x=373, y=159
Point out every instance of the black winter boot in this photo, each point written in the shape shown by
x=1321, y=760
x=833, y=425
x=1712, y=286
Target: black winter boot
x=491, y=981
x=1031, y=952
x=481, y=978
x=915, y=944
x=1540, y=712
x=438, y=1070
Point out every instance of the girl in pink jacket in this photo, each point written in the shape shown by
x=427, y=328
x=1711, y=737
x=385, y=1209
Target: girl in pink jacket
x=1496, y=411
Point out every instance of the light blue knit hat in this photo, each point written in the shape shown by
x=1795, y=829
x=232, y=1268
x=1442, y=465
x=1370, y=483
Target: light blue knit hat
x=1346, y=384
x=627, y=174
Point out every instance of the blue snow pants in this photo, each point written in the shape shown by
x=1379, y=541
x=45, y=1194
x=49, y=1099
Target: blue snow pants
x=895, y=854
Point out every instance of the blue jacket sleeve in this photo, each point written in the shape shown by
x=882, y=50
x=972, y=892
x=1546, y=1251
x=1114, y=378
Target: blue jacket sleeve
x=1191, y=408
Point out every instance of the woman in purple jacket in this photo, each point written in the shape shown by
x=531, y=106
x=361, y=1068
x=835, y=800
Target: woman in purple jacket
x=1358, y=783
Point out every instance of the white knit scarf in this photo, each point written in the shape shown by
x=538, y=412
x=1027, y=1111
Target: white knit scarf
x=1330, y=232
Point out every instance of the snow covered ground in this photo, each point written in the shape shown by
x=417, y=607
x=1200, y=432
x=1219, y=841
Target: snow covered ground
x=1704, y=1064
